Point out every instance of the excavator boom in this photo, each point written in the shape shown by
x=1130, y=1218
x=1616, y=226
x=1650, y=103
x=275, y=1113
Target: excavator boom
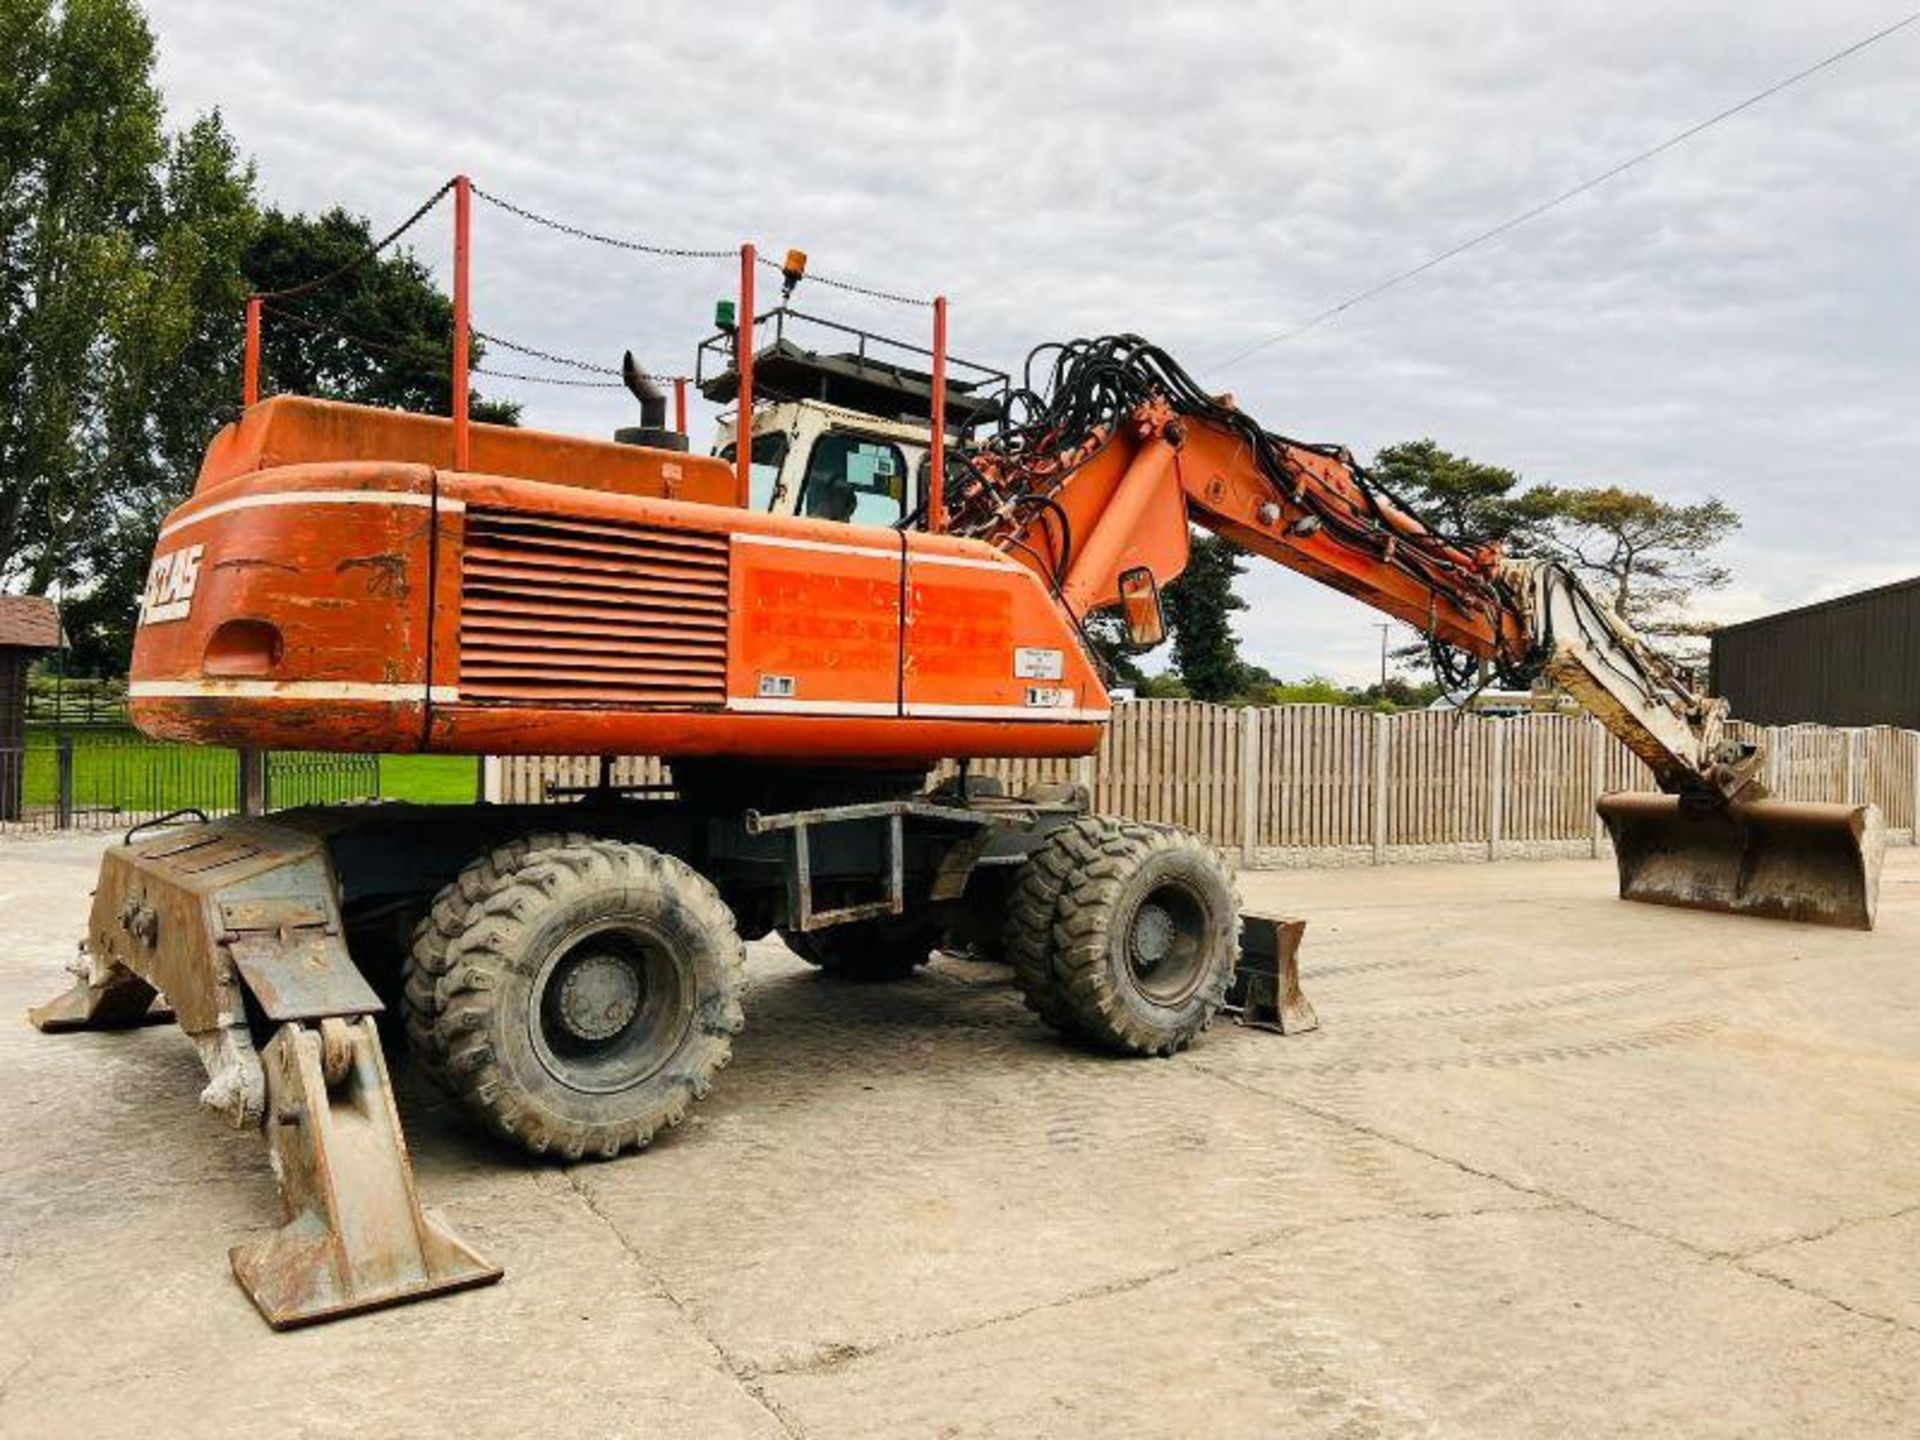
x=1119, y=452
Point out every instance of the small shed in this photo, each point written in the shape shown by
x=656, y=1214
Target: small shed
x=29, y=628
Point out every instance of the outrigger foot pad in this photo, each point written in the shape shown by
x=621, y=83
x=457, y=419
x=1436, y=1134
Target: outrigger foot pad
x=120, y=1001
x=355, y=1237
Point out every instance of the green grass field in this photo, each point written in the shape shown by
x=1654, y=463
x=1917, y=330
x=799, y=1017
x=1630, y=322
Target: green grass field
x=430, y=779
x=116, y=768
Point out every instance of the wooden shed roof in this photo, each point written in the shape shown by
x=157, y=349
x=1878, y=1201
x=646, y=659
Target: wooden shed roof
x=29, y=622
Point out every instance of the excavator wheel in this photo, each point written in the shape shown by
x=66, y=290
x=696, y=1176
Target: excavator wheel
x=576, y=995
x=868, y=951
x=427, y=956
x=1027, y=936
x=1145, y=939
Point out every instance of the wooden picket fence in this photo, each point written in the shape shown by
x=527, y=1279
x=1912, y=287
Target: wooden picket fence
x=1318, y=784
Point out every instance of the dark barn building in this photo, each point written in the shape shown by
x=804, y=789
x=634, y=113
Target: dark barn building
x=1850, y=661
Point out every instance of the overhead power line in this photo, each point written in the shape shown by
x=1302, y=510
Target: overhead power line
x=1536, y=211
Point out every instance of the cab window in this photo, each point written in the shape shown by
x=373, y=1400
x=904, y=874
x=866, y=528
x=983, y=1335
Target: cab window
x=769, y=454
x=855, y=480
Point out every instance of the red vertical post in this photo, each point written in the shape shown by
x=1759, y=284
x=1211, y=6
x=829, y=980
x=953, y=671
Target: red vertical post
x=743, y=361
x=937, y=447
x=462, y=320
x=680, y=404
x=250, y=367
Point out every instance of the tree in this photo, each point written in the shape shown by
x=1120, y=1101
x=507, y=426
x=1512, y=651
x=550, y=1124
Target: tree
x=80, y=138
x=1314, y=690
x=1163, y=687
x=1197, y=605
x=1463, y=497
x=173, y=393
x=380, y=335
x=1649, y=558
x=1106, y=634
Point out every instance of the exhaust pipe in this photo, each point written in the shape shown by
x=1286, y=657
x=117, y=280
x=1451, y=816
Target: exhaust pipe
x=1777, y=859
x=652, y=429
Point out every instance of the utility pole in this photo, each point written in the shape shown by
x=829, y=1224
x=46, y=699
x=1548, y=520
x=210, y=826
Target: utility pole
x=1383, y=627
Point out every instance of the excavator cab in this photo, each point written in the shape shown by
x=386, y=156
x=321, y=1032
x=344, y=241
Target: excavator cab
x=825, y=463
x=846, y=434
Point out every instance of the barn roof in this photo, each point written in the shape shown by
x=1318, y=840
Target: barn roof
x=29, y=622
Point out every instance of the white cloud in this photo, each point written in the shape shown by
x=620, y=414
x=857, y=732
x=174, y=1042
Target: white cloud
x=1737, y=317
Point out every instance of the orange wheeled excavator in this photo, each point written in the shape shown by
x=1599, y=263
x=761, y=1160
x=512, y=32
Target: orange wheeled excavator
x=571, y=972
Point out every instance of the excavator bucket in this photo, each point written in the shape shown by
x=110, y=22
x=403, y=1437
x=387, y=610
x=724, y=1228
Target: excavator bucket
x=1778, y=859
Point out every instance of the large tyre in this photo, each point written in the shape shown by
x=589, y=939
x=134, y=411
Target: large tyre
x=1145, y=939
x=1026, y=939
x=890, y=947
x=576, y=995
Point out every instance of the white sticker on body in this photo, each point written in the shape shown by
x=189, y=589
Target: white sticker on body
x=1030, y=662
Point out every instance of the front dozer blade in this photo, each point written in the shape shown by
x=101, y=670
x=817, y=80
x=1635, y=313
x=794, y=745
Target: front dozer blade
x=1778, y=859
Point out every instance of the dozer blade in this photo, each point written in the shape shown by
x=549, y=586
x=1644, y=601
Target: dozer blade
x=1778, y=859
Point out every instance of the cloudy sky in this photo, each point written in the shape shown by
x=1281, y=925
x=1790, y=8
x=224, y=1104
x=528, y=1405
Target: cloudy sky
x=1739, y=317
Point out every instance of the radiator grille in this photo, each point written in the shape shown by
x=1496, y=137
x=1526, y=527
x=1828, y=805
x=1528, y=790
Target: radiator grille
x=562, y=610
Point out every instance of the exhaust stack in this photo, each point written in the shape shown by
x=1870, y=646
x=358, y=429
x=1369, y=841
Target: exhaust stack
x=652, y=429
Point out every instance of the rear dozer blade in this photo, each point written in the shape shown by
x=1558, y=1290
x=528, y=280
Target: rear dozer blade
x=1778, y=859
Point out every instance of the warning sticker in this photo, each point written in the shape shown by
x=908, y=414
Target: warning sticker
x=1030, y=662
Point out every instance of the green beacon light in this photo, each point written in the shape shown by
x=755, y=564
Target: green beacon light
x=723, y=314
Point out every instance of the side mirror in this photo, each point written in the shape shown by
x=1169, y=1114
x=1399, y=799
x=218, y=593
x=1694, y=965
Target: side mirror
x=1140, y=608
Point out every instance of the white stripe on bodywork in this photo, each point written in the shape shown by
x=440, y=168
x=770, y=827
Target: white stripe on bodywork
x=754, y=705
x=290, y=690
x=313, y=497
x=450, y=694
x=757, y=705
x=1002, y=712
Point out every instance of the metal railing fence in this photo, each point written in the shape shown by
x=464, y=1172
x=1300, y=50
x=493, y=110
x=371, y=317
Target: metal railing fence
x=103, y=780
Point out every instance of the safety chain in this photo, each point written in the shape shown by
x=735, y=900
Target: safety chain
x=381, y=347
x=682, y=253
x=306, y=287
x=673, y=252
x=546, y=355
x=567, y=360
x=549, y=379
x=851, y=288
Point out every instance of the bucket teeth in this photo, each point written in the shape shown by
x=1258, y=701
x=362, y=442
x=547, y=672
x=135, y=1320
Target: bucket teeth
x=1777, y=859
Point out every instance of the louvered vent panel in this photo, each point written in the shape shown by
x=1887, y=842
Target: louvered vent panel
x=561, y=610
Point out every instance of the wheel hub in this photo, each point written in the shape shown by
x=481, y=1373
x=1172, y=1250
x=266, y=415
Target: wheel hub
x=1153, y=936
x=599, y=997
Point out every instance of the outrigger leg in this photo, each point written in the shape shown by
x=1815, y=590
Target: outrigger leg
x=234, y=922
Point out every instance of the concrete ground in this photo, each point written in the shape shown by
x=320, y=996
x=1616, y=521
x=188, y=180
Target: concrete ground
x=1555, y=1165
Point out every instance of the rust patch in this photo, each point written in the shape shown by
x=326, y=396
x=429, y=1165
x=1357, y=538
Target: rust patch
x=255, y=562
x=386, y=574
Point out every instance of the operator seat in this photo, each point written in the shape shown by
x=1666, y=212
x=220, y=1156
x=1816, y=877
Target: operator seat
x=830, y=497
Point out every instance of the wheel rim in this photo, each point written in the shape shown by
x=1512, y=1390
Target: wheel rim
x=1164, y=942
x=611, y=1005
